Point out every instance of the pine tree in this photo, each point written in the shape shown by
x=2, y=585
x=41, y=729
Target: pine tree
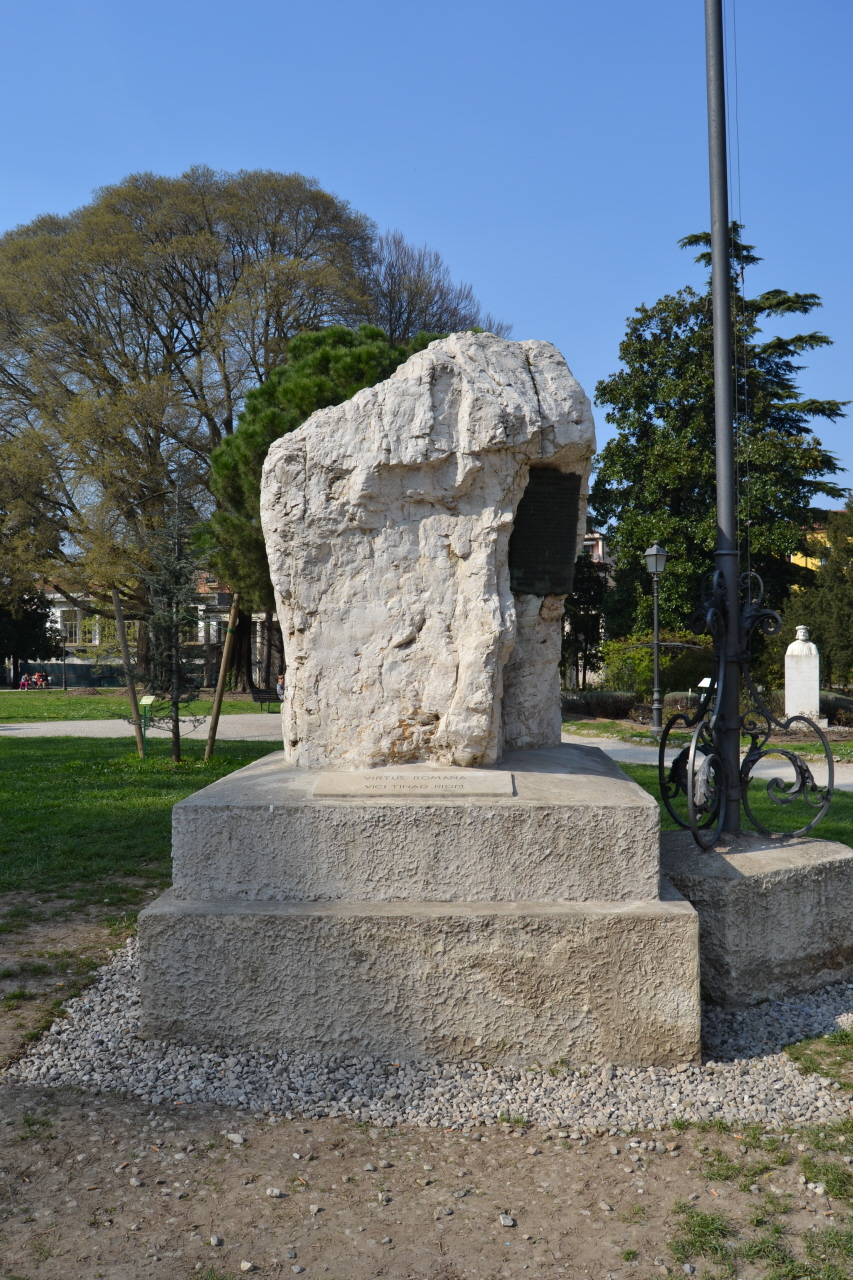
x=172, y=617
x=656, y=478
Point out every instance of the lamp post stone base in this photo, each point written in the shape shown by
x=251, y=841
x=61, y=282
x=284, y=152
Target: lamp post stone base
x=775, y=914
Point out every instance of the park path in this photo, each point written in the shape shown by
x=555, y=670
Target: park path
x=252, y=727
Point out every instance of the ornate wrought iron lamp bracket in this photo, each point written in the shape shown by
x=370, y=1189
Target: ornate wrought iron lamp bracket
x=698, y=772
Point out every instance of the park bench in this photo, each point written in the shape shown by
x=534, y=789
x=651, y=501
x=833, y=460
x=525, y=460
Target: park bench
x=265, y=697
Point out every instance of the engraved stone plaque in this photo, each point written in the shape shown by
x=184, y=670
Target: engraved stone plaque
x=430, y=783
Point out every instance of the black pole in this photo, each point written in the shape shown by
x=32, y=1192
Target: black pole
x=726, y=555
x=657, y=707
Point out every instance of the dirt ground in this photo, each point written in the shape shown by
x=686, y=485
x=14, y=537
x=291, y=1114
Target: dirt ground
x=100, y=1186
x=103, y=1187
x=49, y=948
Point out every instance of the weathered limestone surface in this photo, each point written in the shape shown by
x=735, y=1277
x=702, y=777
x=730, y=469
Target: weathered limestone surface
x=775, y=915
x=387, y=521
x=576, y=828
x=531, y=700
x=508, y=981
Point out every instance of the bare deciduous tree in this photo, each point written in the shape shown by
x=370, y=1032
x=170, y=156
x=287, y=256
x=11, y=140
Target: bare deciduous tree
x=411, y=291
x=130, y=332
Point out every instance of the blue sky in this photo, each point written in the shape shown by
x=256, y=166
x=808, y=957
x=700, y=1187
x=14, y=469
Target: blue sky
x=554, y=151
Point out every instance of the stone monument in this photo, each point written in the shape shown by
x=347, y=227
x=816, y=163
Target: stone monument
x=802, y=677
x=426, y=871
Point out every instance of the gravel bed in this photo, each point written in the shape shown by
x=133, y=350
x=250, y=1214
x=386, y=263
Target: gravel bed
x=746, y=1078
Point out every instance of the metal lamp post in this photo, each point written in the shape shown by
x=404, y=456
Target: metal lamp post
x=727, y=567
x=709, y=773
x=655, y=558
x=64, y=633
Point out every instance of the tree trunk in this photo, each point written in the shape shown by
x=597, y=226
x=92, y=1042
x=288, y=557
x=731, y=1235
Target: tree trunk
x=142, y=650
x=128, y=672
x=220, y=683
x=267, y=679
x=243, y=681
x=176, y=694
x=16, y=671
x=277, y=646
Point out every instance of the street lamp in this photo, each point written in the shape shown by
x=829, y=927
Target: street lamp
x=710, y=772
x=655, y=558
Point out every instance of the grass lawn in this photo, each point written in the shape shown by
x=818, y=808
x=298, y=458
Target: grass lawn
x=620, y=729
x=86, y=816
x=20, y=707
x=837, y=825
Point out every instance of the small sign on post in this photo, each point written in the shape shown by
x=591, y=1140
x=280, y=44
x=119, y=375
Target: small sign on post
x=145, y=703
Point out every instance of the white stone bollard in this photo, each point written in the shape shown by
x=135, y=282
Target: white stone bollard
x=802, y=677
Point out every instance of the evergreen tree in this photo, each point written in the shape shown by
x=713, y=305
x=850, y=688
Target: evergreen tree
x=172, y=616
x=26, y=631
x=656, y=478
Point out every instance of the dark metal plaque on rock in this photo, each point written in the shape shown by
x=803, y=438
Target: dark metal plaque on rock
x=542, y=548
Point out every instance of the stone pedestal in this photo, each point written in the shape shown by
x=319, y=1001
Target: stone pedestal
x=512, y=914
x=775, y=915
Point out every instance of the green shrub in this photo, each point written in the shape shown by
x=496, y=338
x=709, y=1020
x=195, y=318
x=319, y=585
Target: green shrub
x=606, y=704
x=685, y=659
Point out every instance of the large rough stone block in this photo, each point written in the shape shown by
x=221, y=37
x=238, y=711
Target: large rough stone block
x=388, y=522
x=775, y=915
x=570, y=825
x=512, y=982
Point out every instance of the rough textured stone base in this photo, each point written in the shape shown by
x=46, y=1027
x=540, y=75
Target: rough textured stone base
x=576, y=829
x=775, y=916
x=502, y=981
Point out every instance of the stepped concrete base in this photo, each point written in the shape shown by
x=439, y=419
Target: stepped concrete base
x=775, y=915
x=564, y=824
x=511, y=982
